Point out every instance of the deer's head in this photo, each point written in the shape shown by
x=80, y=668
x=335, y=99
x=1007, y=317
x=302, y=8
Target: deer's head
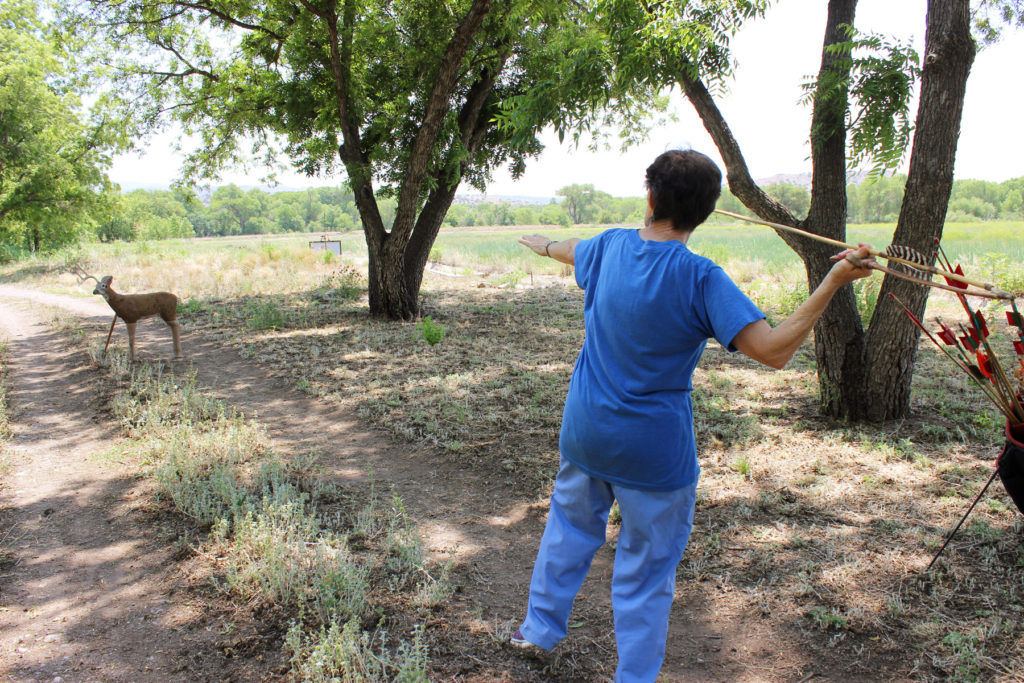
x=103, y=286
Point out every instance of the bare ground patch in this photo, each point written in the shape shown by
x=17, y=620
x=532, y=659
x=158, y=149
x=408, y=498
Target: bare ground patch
x=89, y=587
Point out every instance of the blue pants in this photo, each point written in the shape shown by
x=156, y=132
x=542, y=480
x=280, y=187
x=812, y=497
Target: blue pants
x=655, y=529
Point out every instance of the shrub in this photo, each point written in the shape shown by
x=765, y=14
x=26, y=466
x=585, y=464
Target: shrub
x=345, y=653
x=345, y=284
x=432, y=332
x=278, y=554
x=264, y=315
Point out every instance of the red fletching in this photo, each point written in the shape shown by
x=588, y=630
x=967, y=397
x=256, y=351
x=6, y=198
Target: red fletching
x=946, y=334
x=1014, y=318
x=984, y=365
x=969, y=343
x=981, y=324
x=914, y=319
x=956, y=283
x=907, y=311
x=1018, y=346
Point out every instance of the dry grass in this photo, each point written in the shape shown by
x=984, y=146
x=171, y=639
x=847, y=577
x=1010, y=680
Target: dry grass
x=5, y=416
x=823, y=528
x=193, y=269
x=273, y=536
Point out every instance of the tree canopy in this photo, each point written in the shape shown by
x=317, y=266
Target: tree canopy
x=53, y=152
x=409, y=97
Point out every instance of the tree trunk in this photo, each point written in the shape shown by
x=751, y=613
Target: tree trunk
x=397, y=257
x=395, y=282
x=838, y=334
x=389, y=295
x=866, y=375
x=427, y=226
x=892, y=338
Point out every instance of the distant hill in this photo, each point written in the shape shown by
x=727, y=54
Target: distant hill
x=804, y=179
x=799, y=179
x=515, y=200
x=129, y=186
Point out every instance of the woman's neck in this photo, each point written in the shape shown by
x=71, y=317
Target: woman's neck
x=662, y=231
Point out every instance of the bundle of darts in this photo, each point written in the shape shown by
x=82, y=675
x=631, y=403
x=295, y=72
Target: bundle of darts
x=968, y=346
x=903, y=262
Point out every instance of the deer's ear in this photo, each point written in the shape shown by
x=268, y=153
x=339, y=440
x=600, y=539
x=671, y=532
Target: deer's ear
x=107, y=279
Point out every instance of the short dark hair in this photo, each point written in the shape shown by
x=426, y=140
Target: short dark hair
x=684, y=186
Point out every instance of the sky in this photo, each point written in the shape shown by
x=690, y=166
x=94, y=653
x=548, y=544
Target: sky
x=773, y=59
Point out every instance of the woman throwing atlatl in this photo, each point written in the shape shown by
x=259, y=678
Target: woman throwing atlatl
x=627, y=430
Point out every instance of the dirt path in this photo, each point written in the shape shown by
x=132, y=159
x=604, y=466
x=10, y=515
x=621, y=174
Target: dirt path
x=86, y=591
x=94, y=593
x=82, y=567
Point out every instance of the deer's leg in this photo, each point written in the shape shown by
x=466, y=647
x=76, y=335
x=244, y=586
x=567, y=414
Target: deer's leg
x=131, y=341
x=175, y=334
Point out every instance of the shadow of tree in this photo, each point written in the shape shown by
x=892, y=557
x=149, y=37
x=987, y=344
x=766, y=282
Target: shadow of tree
x=92, y=589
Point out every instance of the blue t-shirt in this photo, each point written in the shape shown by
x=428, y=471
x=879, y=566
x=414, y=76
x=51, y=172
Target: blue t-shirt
x=649, y=309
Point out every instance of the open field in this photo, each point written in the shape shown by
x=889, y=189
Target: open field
x=809, y=534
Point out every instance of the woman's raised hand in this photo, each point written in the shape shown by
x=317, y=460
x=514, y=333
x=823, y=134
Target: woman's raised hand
x=853, y=264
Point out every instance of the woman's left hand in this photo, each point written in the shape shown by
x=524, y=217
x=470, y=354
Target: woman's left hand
x=538, y=243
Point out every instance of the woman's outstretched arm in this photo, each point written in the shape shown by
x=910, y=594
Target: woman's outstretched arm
x=563, y=250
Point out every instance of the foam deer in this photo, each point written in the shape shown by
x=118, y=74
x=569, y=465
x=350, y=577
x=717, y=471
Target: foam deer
x=133, y=307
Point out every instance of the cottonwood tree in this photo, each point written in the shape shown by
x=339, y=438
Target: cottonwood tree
x=860, y=101
x=53, y=152
x=237, y=208
x=795, y=198
x=403, y=95
x=578, y=200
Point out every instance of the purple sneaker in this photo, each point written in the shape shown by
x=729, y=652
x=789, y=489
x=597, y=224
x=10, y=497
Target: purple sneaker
x=517, y=640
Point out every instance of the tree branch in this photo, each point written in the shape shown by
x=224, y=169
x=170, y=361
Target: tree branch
x=827, y=212
x=142, y=22
x=228, y=18
x=359, y=175
x=738, y=175
x=437, y=106
x=312, y=10
x=192, y=69
x=473, y=126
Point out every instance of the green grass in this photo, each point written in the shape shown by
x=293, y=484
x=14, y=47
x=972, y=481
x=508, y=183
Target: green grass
x=755, y=257
x=282, y=535
x=498, y=250
x=825, y=525
x=275, y=264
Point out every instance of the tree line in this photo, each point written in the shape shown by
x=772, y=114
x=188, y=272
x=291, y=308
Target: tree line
x=878, y=200
x=231, y=210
